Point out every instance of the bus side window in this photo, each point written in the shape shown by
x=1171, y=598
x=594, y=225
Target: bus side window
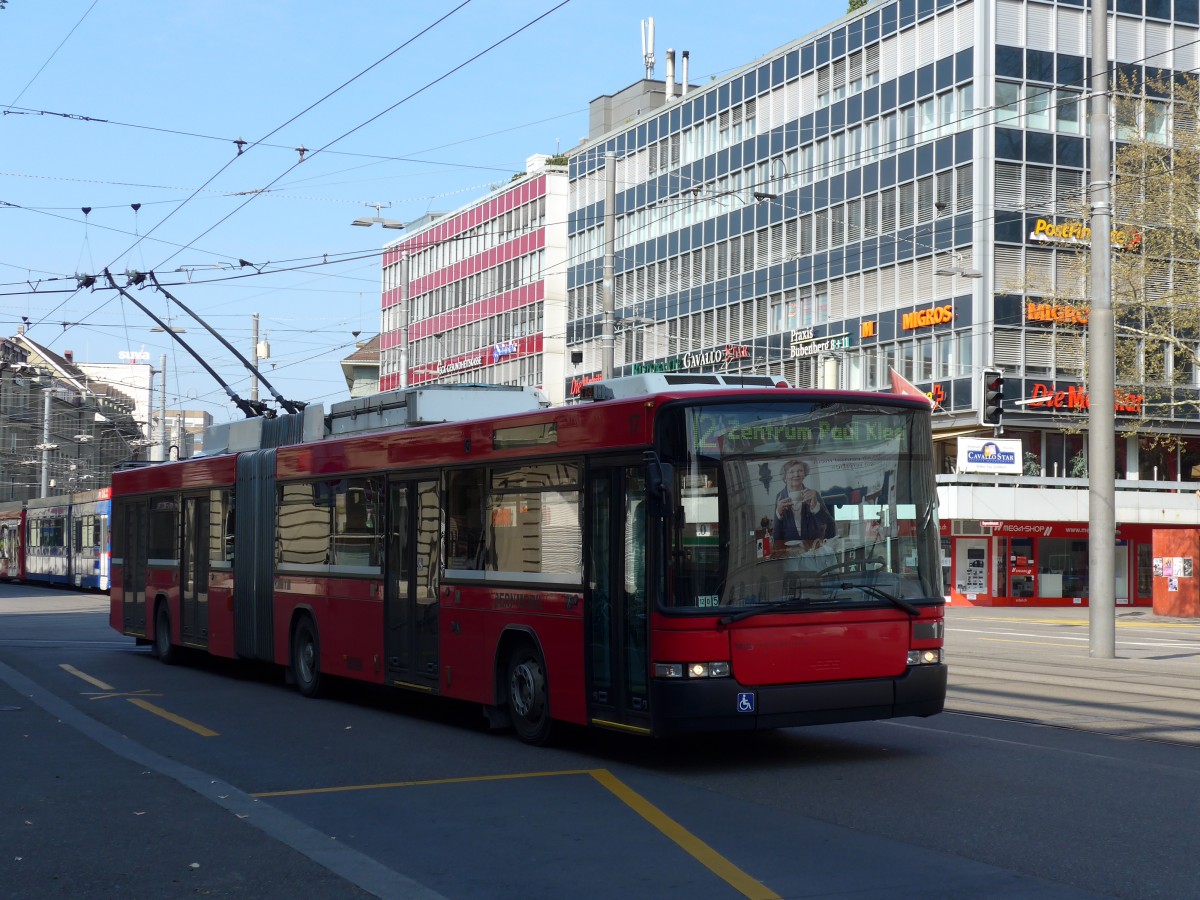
x=464, y=508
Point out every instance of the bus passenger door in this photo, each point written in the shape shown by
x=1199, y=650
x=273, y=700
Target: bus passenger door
x=617, y=610
x=411, y=583
x=136, y=521
x=193, y=594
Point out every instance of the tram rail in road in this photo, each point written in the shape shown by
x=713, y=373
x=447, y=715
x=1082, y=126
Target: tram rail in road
x=1033, y=665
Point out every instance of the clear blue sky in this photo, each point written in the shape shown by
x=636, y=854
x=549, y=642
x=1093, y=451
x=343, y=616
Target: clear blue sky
x=177, y=83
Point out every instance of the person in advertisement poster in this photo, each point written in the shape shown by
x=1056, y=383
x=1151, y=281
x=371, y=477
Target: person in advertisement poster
x=800, y=514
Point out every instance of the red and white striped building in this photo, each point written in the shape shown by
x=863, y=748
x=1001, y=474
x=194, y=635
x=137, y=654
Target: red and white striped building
x=486, y=288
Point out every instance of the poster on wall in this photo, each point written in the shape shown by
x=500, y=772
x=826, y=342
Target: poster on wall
x=975, y=581
x=989, y=455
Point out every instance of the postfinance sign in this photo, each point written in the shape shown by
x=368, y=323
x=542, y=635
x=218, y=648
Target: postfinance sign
x=1076, y=232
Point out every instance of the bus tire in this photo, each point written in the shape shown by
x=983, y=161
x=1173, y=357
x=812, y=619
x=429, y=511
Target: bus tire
x=306, y=658
x=528, y=698
x=163, y=648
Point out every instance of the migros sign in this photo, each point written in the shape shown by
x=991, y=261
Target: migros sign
x=926, y=318
x=1052, y=312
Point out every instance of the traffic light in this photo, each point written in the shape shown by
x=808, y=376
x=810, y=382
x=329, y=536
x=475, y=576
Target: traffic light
x=991, y=411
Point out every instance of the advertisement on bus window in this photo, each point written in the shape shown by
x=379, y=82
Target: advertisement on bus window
x=772, y=495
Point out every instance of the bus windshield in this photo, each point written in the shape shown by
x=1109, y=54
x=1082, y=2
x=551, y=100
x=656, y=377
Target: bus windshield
x=803, y=504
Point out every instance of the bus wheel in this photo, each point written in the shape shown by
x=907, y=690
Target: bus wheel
x=528, y=703
x=306, y=658
x=163, y=648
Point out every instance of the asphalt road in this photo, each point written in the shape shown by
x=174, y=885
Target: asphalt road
x=1053, y=775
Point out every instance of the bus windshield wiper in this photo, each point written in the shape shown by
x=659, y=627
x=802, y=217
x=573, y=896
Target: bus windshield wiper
x=789, y=603
x=883, y=595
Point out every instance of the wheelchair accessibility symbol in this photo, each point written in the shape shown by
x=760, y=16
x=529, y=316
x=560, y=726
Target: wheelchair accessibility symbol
x=745, y=702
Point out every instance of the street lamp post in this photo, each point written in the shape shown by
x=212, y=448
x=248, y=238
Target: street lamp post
x=45, y=446
x=956, y=268
x=367, y=222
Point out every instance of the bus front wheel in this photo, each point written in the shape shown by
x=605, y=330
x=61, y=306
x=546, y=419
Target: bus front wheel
x=306, y=658
x=528, y=702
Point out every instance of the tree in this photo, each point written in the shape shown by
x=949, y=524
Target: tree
x=856, y=4
x=1155, y=259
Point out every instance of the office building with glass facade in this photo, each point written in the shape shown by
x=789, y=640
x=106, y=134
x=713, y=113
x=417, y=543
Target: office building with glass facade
x=901, y=190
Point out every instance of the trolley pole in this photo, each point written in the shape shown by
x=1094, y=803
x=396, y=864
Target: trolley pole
x=1102, y=519
x=608, y=326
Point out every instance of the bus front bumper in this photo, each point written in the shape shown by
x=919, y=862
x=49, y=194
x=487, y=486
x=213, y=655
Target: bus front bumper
x=722, y=704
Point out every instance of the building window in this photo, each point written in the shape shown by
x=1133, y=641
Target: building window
x=1008, y=102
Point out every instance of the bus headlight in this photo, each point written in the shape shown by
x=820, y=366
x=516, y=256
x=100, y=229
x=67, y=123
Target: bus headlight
x=930, y=657
x=692, y=670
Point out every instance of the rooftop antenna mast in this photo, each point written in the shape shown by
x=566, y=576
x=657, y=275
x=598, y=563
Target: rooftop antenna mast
x=648, y=46
x=251, y=410
x=287, y=405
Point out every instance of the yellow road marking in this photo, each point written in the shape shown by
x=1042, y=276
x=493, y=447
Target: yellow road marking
x=1083, y=623
x=1039, y=643
x=171, y=717
x=692, y=845
x=136, y=701
x=94, y=682
x=399, y=784
x=688, y=842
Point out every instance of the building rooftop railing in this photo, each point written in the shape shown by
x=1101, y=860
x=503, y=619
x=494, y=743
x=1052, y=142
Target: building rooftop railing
x=1046, y=481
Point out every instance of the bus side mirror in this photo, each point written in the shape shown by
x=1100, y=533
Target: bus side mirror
x=659, y=476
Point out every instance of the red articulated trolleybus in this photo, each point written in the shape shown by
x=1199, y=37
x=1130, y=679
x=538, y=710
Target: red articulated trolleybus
x=677, y=553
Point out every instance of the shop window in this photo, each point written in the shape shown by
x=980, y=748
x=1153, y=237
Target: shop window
x=1156, y=461
x=1189, y=459
x=1020, y=567
x=1066, y=455
x=1062, y=567
x=1145, y=572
